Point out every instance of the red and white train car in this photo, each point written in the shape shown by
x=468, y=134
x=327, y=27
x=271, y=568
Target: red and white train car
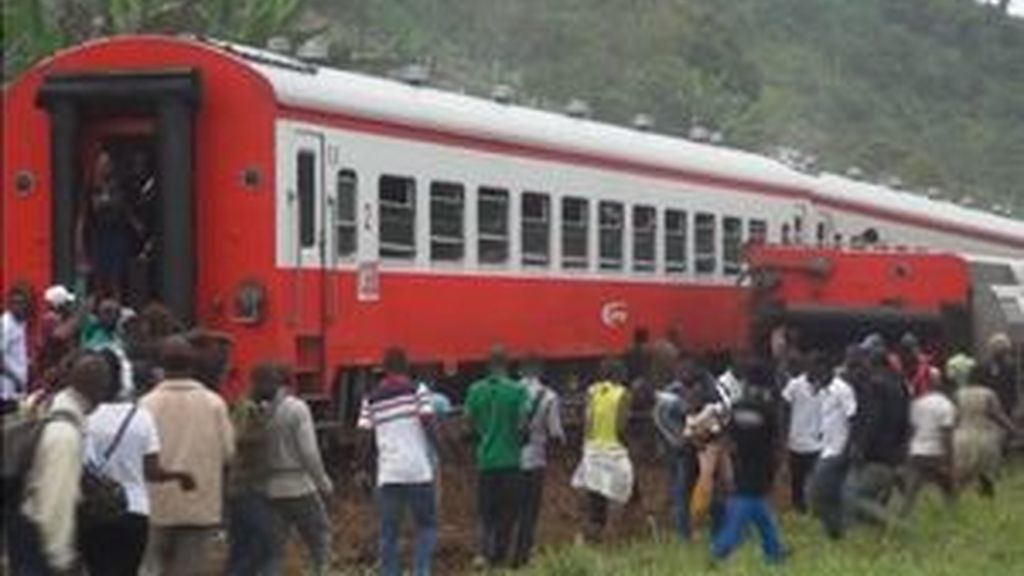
x=319, y=215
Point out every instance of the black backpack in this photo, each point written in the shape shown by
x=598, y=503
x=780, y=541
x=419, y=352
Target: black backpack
x=21, y=435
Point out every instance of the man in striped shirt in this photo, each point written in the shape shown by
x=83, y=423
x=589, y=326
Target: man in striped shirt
x=399, y=413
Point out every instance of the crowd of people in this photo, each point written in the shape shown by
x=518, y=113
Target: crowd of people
x=131, y=400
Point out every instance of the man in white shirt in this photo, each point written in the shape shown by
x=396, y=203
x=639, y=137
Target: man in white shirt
x=838, y=407
x=14, y=349
x=803, y=398
x=42, y=537
x=933, y=419
x=398, y=413
x=123, y=445
x=545, y=423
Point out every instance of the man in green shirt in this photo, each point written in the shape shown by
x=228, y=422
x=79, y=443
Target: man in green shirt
x=496, y=408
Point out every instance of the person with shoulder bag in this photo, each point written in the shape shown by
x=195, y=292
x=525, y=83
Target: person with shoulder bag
x=122, y=454
x=45, y=482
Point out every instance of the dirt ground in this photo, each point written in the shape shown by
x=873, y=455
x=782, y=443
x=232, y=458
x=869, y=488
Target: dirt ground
x=355, y=523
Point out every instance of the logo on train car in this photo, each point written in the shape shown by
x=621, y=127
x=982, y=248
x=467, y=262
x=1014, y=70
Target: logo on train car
x=614, y=314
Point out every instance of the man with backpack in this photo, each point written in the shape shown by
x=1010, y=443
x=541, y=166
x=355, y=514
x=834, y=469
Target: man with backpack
x=543, y=423
x=42, y=474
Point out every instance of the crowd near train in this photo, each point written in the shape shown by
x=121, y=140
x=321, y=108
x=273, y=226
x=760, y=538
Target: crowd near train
x=189, y=224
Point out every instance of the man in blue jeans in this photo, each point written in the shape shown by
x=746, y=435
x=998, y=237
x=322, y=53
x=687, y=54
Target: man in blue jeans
x=399, y=413
x=753, y=428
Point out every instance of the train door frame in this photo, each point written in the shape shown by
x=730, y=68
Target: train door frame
x=172, y=98
x=309, y=231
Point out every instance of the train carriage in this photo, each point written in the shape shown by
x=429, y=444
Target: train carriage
x=319, y=216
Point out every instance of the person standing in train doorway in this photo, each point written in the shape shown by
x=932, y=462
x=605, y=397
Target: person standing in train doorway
x=106, y=230
x=496, y=408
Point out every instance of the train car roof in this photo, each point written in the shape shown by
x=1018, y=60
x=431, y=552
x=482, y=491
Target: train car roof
x=321, y=89
x=842, y=189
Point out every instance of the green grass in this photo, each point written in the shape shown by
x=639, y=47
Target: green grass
x=978, y=538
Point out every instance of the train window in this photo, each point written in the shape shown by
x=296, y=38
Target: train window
x=305, y=174
x=757, y=231
x=610, y=216
x=820, y=233
x=575, y=226
x=492, y=225
x=675, y=241
x=447, y=209
x=397, y=195
x=645, y=230
x=732, y=245
x=536, y=210
x=706, y=261
x=345, y=218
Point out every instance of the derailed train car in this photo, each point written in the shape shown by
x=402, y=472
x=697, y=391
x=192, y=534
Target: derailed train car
x=318, y=216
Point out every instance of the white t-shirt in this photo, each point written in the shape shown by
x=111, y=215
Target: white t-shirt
x=14, y=349
x=394, y=411
x=805, y=434
x=140, y=438
x=929, y=416
x=838, y=405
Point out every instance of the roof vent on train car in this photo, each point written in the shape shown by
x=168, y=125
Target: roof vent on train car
x=643, y=122
x=854, y=172
x=413, y=74
x=577, y=108
x=316, y=50
x=503, y=94
x=279, y=44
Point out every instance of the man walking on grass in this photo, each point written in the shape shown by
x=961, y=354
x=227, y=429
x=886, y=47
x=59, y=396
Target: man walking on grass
x=496, y=408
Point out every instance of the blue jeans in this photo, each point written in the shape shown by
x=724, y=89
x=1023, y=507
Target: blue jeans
x=251, y=537
x=25, y=548
x=742, y=510
x=393, y=499
x=682, y=474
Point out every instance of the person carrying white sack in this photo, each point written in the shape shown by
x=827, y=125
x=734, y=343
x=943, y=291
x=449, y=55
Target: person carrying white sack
x=605, y=472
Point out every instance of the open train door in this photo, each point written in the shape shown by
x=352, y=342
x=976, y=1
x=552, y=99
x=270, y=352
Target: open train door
x=122, y=113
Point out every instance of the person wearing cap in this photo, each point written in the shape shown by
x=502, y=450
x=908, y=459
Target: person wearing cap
x=58, y=332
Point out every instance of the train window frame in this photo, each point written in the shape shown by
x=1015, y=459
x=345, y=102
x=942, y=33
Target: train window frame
x=577, y=231
x=346, y=225
x=447, y=245
x=391, y=209
x=611, y=234
x=645, y=237
x=705, y=245
x=305, y=196
x=676, y=241
x=732, y=245
x=493, y=244
x=535, y=228
x=757, y=231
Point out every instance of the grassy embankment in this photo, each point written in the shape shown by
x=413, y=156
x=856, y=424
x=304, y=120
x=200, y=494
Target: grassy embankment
x=978, y=538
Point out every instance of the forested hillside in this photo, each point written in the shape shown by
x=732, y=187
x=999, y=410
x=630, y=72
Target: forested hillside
x=929, y=93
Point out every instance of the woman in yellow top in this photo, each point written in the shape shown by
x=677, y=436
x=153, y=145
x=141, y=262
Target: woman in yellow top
x=605, y=473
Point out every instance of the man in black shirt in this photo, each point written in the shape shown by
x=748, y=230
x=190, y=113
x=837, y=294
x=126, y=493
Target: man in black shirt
x=753, y=428
x=880, y=436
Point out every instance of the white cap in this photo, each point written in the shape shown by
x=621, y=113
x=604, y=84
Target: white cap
x=58, y=296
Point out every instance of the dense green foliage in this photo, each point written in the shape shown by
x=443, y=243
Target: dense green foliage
x=930, y=92
x=978, y=537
